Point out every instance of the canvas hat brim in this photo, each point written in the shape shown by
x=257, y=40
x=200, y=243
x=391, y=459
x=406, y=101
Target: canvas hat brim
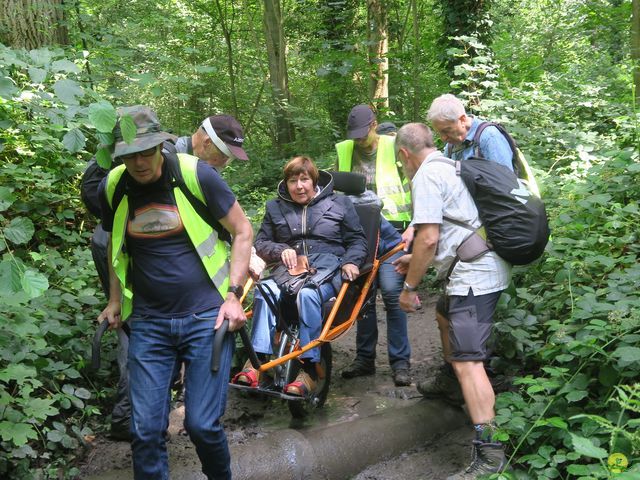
x=141, y=142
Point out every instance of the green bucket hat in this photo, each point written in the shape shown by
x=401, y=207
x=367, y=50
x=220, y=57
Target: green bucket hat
x=148, y=131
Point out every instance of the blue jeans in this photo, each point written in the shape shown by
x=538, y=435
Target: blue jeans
x=156, y=346
x=309, y=308
x=390, y=283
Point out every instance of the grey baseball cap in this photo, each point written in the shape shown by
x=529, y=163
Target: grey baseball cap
x=359, y=121
x=148, y=131
x=386, y=127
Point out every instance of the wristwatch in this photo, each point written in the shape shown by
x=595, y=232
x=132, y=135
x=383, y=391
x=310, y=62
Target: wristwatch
x=409, y=288
x=237, y=290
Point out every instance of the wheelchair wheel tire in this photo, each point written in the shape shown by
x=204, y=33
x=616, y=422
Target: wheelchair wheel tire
x=301, y=409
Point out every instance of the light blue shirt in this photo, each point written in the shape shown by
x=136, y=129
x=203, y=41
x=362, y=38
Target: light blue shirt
x=493, y=146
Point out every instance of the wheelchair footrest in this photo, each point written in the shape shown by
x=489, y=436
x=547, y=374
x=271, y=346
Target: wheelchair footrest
x=268, y=392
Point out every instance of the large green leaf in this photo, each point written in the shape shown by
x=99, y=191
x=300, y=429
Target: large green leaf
x=65, y=66
x=6, y=198
x=103, y=116
x=103, y=157
x=17, y=433
x=37, y=75
x=34, y=283
x=10, y=276
x=40, y=408
x=627, y=354
x=42, y=56
x=20, y=230
x=128, y=128
x=7, y=87
x=74, y=140
x=17, y=372
x=68, y=91
x=586, y=448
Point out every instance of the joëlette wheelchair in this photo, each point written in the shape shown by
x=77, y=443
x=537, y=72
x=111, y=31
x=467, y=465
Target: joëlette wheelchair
x=339, y=314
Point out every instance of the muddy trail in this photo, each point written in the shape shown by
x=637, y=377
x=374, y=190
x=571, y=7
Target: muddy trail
x=249, y=418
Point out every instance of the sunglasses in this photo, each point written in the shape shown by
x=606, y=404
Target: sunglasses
x=144, y=153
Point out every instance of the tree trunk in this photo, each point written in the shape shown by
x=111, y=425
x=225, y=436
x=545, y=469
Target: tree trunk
x=378, y=38
x=417, y=94
x=339, y=90
x=33, y=24
x=227, y=30
x=635, y=47
x=276, y=51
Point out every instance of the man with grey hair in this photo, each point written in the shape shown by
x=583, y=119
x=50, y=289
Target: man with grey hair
x=217, y=141
x=441, y=205
x=457, y=130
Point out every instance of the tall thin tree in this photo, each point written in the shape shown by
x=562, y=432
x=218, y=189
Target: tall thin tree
x=378, y=39
x=276, y=52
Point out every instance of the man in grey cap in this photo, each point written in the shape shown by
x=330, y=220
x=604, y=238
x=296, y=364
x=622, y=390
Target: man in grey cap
x=217, y=141
x=387, y=128
x=373, y=155
x=170, y=276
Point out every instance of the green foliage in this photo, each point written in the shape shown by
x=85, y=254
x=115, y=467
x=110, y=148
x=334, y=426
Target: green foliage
x=47, y=286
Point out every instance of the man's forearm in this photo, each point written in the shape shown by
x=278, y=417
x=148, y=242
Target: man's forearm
x=115, y=292
x=424, y=249
x=240, y=255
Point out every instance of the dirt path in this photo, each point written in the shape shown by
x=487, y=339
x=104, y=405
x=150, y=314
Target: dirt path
x=249, y=417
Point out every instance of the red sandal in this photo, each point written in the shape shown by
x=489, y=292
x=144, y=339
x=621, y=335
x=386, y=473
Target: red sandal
x=247, y=377
x=302, y=386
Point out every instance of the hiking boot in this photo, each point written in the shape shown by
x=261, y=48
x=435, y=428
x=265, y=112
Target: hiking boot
x=401, y=377
x=120, y=431
x=444, y=386
x=485, y=458
x=359, y=368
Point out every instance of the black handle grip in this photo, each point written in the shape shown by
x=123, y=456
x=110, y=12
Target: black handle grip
x=255, y=362
x=95, y=345
x=218, y=338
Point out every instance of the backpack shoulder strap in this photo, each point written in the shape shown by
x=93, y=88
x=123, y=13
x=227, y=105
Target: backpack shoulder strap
x=448, y=161
x=200, y=207
x=505, y=134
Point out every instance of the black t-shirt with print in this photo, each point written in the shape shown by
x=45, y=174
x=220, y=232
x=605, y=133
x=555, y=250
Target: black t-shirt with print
x=167, y=276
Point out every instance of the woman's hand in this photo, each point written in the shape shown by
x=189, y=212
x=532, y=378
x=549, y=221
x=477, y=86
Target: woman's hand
x=350, y=271
x=289, y=258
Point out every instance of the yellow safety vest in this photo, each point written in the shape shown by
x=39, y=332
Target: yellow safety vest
x=391, y=188
x=213, y=252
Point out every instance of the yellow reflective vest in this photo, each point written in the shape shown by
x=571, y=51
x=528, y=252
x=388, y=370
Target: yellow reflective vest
x=213, y=252
x=391, y=188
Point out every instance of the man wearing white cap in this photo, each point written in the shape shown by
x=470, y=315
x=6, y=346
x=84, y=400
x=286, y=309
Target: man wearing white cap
x=217, y=141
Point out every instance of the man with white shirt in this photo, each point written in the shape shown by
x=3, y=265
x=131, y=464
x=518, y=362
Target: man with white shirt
x=472, y=289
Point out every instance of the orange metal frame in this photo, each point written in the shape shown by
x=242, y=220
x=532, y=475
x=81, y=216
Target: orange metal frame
x=329, y=332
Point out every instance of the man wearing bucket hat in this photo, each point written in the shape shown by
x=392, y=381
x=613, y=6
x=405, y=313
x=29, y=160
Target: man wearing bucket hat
x=172, y=280
x=371, y=154
x=217, y=141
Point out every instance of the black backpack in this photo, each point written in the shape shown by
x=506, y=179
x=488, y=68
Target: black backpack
x=520, y=164
x=514, y=220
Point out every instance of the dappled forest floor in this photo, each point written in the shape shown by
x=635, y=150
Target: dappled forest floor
x=253, y=417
